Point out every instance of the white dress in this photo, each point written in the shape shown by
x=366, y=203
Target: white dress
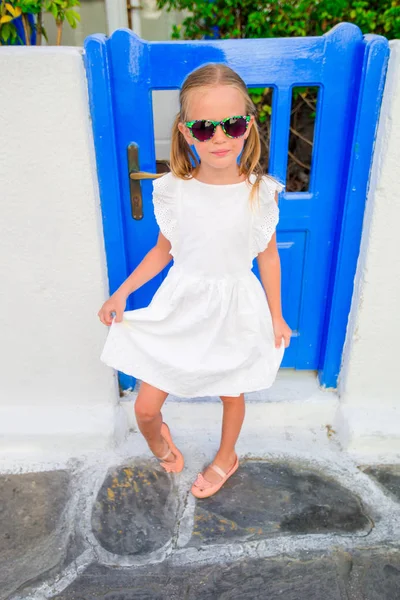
x=208, y=329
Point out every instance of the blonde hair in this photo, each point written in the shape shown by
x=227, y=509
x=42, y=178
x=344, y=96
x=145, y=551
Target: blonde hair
x=182, y=157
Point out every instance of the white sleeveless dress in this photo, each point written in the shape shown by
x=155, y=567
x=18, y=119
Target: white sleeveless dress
x=208, y=329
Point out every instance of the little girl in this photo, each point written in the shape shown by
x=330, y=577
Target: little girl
x=211, y=328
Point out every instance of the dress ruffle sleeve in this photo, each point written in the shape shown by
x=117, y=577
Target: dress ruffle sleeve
x=165, y=197
x=266, y=215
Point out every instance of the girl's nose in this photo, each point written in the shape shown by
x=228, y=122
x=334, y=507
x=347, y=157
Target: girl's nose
x=219, y=135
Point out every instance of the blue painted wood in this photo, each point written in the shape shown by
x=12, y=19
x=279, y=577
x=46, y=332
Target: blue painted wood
x=372, y=81
x=125, y=70
x=280, y=122
x=101, y=107
x=342, y=47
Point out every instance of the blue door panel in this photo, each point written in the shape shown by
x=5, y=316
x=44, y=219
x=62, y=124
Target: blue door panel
x=292, y=251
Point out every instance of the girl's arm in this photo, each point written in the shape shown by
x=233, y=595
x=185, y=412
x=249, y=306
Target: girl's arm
x=269, y=265
x=152, y=264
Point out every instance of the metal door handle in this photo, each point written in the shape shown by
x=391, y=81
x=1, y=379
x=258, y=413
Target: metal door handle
x=135, y=175
x=144, y=175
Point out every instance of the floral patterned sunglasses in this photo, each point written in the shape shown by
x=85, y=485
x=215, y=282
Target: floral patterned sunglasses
x=203, y=129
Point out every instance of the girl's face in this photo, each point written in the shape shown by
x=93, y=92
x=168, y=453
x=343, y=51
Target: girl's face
x=216, y=103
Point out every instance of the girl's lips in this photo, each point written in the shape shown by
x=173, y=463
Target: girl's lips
x=220, y=153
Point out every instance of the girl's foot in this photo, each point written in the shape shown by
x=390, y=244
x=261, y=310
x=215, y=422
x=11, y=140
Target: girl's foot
x=214, y=477
x=225, y=463
x=172, y=458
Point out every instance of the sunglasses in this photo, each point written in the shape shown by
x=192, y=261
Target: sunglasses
x=203, y=129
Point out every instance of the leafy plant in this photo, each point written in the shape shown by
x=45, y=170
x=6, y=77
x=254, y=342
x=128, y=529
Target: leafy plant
x=62, y=10
x=8, y=31
x=282, y=18
x=11, y=11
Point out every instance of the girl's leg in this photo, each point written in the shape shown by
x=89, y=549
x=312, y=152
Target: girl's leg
x=149, y=418
x=232, y=421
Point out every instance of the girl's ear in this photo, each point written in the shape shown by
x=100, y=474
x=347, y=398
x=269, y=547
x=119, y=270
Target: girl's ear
x=250, y=125
x=185, y=132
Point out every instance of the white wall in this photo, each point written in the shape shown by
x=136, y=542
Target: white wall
x=369, y=383
x=52, y=267
x=165, y=109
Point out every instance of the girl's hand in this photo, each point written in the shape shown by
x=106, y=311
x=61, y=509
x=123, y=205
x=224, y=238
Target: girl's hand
x=116, y=303
x=281, y=330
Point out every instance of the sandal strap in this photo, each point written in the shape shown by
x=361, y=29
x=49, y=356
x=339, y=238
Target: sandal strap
x=165, y=455
x=218, y=470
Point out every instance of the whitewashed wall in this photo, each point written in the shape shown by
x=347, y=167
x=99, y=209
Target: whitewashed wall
x=55, y=393
x=369, y=416
x=52, y=269
x=165, y=108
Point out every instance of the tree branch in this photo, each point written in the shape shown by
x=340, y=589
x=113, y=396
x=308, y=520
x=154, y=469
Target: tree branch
x=301, y=136
x=296, y=160
x=309, y=104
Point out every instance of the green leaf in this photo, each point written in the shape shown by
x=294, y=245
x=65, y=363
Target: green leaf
x=70, y=18
x=6, y=32
x=259, y=91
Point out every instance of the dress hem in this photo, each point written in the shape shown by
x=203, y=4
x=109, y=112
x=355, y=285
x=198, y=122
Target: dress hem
x=247, y=390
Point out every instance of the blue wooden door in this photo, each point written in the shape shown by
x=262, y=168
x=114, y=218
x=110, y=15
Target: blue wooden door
x=315, y=226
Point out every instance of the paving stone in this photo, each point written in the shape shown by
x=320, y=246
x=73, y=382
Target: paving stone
x=269, y=579
x=263, y=499
x=135, y=510
x=388, y=476
x=32, y=534
x=375, y=575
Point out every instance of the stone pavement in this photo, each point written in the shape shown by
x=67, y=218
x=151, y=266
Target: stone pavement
x=281, y=528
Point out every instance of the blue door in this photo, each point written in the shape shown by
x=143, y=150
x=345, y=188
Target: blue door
x=319, y=230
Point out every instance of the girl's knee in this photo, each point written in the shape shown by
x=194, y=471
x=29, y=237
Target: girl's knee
x=144, y=411
x=149, y=402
